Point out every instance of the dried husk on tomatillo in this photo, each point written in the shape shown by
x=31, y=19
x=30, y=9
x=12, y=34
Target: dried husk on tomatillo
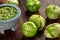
x=38, y=20
x=52, y=12
x=52, y=30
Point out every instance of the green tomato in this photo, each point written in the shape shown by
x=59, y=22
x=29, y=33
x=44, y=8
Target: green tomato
x=29, y=29
x=38, y=20
x=52, y=12
x=32, y=5
x=52, y=30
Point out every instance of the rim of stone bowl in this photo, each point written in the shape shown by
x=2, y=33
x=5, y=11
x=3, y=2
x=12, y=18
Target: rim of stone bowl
x=14, y=18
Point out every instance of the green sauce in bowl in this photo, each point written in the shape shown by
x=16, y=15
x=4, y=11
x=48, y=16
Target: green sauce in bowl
x=7, y=12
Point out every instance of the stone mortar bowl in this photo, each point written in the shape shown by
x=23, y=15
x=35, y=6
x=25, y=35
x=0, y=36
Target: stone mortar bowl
x=11, y=23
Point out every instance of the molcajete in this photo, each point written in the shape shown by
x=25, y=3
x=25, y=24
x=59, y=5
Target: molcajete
x=10, y=23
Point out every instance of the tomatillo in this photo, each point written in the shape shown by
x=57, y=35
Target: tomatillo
x=29, y=29
x=52, y=12
x=38, y=20
x=32, y=5
x=15, y=2
x=52, y=30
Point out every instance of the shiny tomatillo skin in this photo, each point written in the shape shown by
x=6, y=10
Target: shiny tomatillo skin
x=29, y=29
x=32, y=5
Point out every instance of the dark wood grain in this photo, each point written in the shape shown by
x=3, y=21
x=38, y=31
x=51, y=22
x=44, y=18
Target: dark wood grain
x=17, y=35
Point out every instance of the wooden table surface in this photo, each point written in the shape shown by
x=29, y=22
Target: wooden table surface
x=17, y=35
